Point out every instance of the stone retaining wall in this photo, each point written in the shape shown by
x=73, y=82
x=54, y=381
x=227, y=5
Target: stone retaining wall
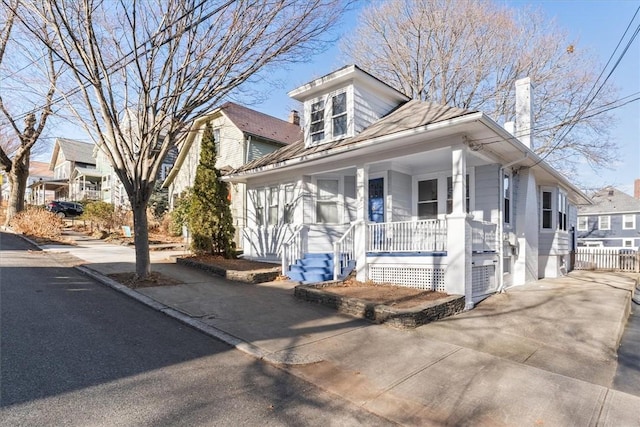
x=250, y=276
x=379, y=313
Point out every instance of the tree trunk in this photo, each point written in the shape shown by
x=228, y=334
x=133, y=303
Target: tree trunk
x=141, y=239
x=17, y=176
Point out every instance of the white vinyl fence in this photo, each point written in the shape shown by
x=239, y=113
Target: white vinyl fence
x=618, y=259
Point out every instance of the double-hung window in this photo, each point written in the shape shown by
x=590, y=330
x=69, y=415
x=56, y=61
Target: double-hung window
x=327, y=201
x=583, y=223
x=450, y=195
x=506, y=180
x=339, y=114
x=317, y=121
x=259, y=206
x=216, y=140
x=562, y=211
x=273, y=206
x=604, y=222
x=288, y=203
x=428, y=199
x=629, y=222
x=547, y=210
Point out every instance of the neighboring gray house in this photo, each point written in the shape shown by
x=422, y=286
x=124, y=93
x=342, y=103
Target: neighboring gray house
x=612, y=221
x=408, y=192
x=241, y=135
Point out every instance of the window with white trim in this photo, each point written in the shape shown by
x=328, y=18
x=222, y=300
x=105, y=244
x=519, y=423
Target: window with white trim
x=273, y=206
x=339, y=114
x=327, y=201
x=450, y=195
x=604, y=222
x=629, y=222
x=507, y=198
x=562, y=211
x=627, y=243
x=317, y=121
x=428, y=199
x=216, y=140
x=583, y=223
x=547, y=210
x=259, y=206
x=288, y=203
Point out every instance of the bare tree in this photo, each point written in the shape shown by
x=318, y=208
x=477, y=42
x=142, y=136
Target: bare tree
x=18, y=84
x=145, y=69
x=469, y=53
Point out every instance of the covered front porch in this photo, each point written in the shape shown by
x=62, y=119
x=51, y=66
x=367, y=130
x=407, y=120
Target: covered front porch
x=427, y=220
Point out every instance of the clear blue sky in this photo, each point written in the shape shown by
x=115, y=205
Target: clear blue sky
x=597, y=25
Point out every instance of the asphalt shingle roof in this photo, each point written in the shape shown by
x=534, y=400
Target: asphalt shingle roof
x=410, y=115
x=77, y=151
x=262, y=125
x=608, y=200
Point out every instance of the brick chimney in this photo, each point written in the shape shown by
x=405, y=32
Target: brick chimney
x=524, y=111
x=294, y=118
x=636, y=189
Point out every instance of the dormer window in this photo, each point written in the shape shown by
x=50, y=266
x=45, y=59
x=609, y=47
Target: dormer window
x=339, y=114
x=317, y=121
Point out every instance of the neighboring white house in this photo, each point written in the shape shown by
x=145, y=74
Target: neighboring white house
x=241, y=135
x=408, y=192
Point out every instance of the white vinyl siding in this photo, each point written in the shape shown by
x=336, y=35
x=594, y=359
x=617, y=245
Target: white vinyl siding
x=400, y=196
x=487, y=193
x=629, y=222
x=369, y=107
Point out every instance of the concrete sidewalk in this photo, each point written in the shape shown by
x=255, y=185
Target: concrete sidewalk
x=541, y=354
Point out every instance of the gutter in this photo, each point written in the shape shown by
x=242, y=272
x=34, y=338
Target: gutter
x=501, y=221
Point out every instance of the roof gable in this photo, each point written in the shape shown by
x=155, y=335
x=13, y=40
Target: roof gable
x=262, y=125
x=73, y=151
x=610, y=200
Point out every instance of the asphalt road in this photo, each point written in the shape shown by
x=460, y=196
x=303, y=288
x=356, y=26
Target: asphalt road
x=627, y=377
x=74, y=352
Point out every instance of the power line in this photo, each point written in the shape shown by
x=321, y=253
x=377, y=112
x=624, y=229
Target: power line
x=115, y=66
x=581, y=111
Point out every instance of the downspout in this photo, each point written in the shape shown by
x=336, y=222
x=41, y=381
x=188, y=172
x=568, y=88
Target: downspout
x=501, y=220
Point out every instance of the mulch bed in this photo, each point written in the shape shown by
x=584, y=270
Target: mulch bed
x=154, y=279
x=387, y=294
x=237, y=264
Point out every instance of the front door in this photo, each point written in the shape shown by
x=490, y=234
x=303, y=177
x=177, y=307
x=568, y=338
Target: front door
x=376, y=200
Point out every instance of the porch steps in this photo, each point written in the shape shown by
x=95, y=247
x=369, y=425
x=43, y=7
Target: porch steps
x=314, y=268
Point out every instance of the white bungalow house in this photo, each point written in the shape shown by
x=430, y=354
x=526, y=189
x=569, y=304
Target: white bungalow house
x=241, y=135
x=408, y=192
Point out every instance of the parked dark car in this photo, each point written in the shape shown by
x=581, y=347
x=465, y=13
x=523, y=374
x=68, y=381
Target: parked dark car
x=63, y=209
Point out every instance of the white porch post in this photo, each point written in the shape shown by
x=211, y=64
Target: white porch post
x=458, y=273
x=361, y=233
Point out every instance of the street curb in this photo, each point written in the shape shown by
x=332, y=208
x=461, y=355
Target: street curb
x=235, y=342
x=212, y=331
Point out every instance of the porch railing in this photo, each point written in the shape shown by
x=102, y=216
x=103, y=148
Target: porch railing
x=294, y=247
x=427, y=235
x=484, y=236
x=344, y=250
